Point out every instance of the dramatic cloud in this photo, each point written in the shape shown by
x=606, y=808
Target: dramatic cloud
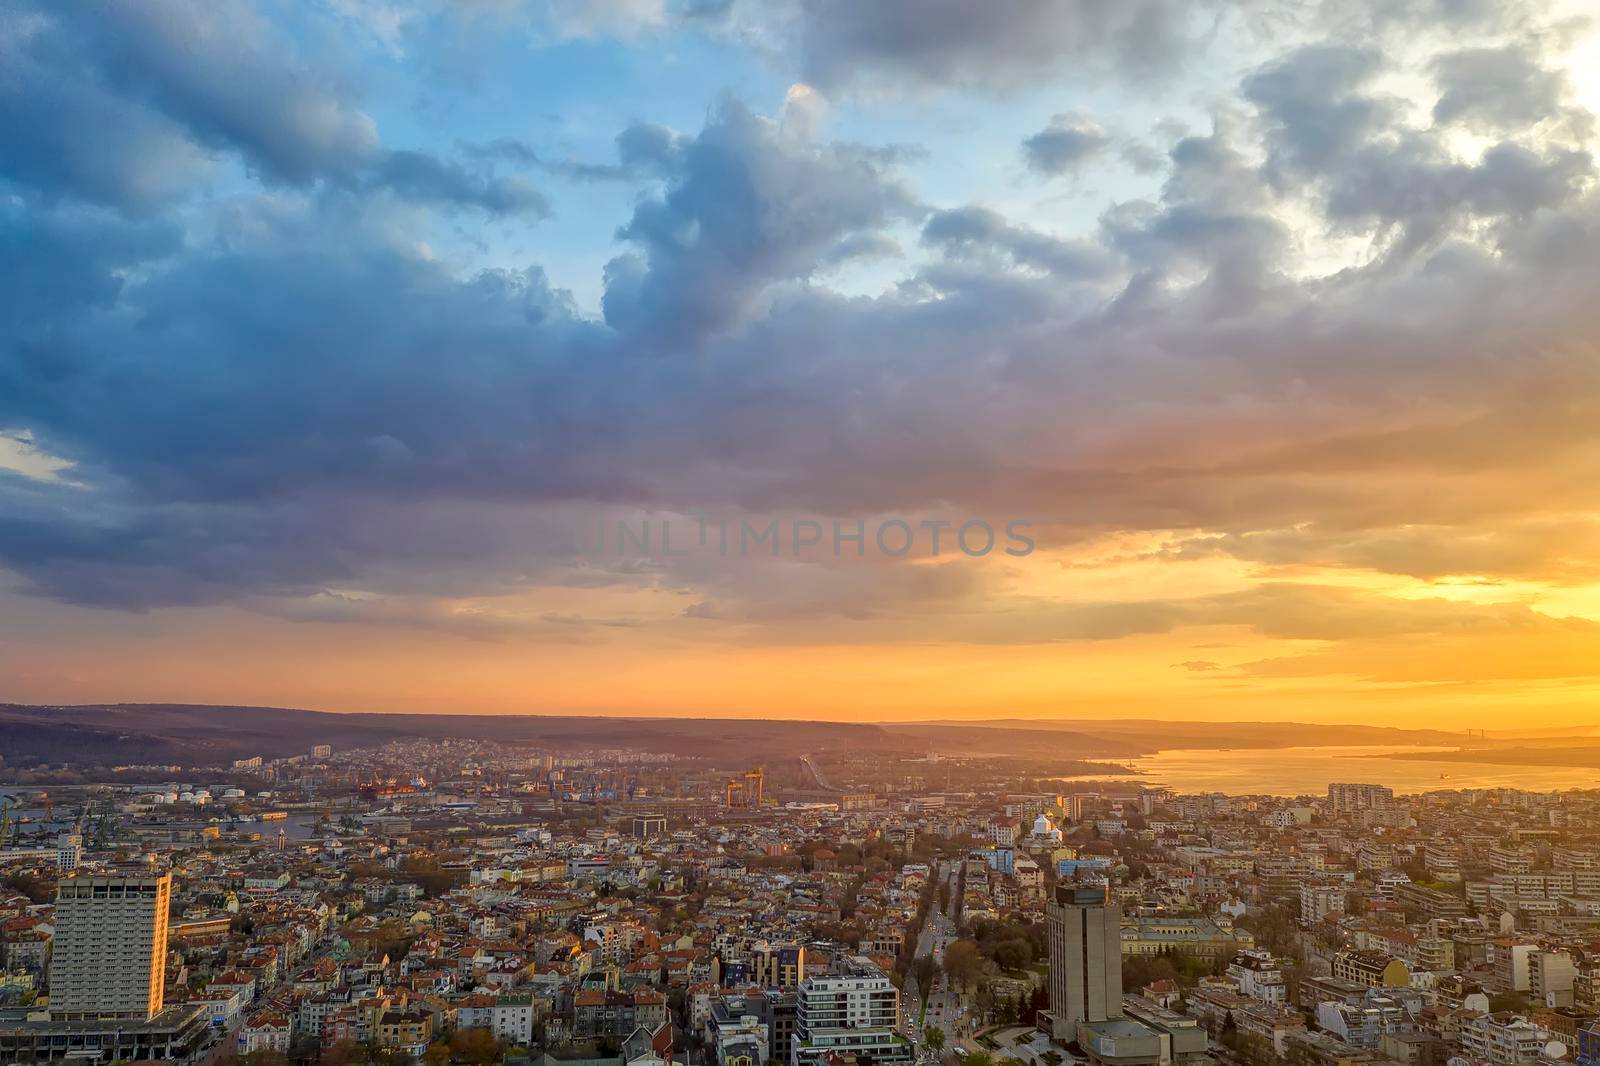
x=428, y=179
x=1065, y=145
x=125, y=104
x=1498, y=89
x=1314, y=368
x=226, y=76
x=1317, y=115
x=747, y=205
x=937, y=43
x=976, y=230
x=137, y=158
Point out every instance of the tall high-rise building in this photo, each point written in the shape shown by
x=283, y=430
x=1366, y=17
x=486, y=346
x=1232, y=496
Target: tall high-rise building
x=108, y=958
x=1085, y=934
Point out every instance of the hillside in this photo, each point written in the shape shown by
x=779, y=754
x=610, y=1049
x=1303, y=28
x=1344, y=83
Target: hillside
x=200, y=735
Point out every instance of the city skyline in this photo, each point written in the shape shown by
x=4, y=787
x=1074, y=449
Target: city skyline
x=464, y=902
x=334, y=332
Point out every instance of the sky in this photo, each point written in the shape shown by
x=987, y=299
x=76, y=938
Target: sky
x=445, y=355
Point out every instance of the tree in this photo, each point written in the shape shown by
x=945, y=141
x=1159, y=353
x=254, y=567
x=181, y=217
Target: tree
x=934, y=1038
x=1141, y=970
x=475, y=1046
x=1012, y=954
x=1038, y=1001
x=1514, y=1002
x=264, y=1058
x=962, y=963
x=342, y=1054
x=923, y=968
x=1254, y=1050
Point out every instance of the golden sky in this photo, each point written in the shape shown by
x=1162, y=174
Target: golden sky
x=1117, y=627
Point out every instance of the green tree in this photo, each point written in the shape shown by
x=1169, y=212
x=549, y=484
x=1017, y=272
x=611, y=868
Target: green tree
x=924, y=969
x=962, y=963
x=475, y=1046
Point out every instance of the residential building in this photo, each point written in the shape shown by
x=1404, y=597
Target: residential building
x=853, y=1010
x=109, y=954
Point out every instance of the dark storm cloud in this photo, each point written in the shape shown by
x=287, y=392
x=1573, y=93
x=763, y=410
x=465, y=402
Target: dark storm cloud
x=126, y=103
x=1325, y=131
x=137, y=158
x=746, y=205
x=953, y=43
x=1498, y=89
x=426, y=178
x=77, y=547
x=1316, y=115
x=67, y=260
x=1215, y=220
x=226, y=76
x=980, y=231
x=1411, y=183
x=387, y=359
x=1064, y=146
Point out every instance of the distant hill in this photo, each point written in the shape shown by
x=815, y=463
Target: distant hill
x=968, y=738
x=1578, y=752
x=203, y=735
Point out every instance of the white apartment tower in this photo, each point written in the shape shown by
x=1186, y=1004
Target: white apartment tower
x=1344, y=797
x=109, y=954
x=854, y=1010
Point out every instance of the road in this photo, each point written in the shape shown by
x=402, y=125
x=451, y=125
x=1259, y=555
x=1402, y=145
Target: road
x=816, y=773
x=945, y=1009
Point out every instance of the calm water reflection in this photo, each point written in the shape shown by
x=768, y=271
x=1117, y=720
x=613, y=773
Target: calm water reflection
x=1302, y=771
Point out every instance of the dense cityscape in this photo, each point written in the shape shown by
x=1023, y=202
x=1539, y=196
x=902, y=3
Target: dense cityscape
x=800, y=532
x=459, y=901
